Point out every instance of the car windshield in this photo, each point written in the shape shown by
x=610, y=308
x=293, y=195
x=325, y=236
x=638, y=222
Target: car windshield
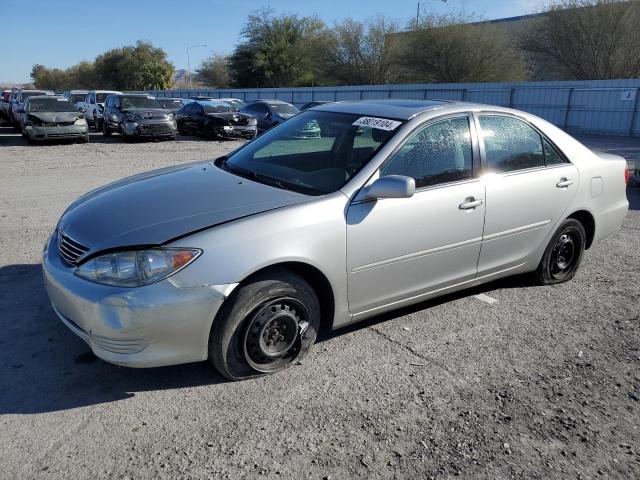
x=284, y=108
x=140, y=101
x=218, y=107
x=52, y=104
x=77, y=97
x=313, y=153
x=102, y=96
x=174, y=104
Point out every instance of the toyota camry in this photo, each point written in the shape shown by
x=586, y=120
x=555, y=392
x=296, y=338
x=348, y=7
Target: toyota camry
x=242, y=259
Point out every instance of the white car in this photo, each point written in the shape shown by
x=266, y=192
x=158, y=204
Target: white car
x=93, y=106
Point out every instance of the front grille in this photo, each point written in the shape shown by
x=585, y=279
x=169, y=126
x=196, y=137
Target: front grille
x=155, y=129
x=69, y=249
x=58, y=124
x=240, y=121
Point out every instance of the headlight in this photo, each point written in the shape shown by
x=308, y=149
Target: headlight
x=169, y=116
x=252, y=121
x=80, y=121
x=137, y=268
x=132, y=117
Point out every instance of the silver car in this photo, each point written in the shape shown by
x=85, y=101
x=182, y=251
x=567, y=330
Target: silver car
x=243, y=259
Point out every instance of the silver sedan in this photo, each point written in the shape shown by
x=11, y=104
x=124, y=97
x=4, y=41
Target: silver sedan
x=242, y=260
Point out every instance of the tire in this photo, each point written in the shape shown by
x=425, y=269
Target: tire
x=97, y=124
x=105, y=130
x=563, y=254
x=241, y=343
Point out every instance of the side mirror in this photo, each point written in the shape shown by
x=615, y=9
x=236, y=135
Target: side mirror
x=392, y=186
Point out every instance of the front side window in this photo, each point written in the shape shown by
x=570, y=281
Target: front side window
x=438, y=153
x=313, y=153
x=510, y=144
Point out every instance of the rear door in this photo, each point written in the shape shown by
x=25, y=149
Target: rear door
x=401, y=249
x=529, y=187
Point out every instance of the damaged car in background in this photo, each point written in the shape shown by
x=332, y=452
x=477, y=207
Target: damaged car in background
x=137, y=116
x=215, y=119
x=47, y=118
x=241, y=260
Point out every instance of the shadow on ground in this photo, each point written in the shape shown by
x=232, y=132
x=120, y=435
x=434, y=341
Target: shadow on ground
x=44, y=367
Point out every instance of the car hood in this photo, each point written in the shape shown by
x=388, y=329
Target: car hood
x=156, y=207
x=154, y=111
x=55, y=117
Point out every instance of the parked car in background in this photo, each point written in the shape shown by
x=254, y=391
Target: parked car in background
x=4, y=105
x=315, y=103
x=270, y=113
x=215, y=119
x=17, y=99
x=46, y=117
x=238, y=260
x=76, y=96
x=137, y=116
x=93, y=106
x=173, y=104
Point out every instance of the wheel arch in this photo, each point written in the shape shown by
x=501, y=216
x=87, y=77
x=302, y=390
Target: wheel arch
x=588, y=222
x=315, y=277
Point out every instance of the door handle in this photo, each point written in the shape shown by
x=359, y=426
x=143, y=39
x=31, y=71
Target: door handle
x=469, y=204
x=564, y=182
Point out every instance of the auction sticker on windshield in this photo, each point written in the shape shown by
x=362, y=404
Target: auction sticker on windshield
x=381, y=123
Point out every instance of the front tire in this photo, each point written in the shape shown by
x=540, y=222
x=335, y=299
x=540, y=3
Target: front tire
x=563, y=255
x=105, y=130
x=265, y=326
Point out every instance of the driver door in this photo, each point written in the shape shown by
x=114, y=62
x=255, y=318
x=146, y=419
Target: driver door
x=401, y=249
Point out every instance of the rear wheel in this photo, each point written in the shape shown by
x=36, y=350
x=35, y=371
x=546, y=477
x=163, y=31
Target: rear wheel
x=267, y=325
x=563, y=255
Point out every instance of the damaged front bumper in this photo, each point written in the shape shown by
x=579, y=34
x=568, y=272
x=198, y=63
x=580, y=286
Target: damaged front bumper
x=164, y=323
x=150, y=128
x=68, y=132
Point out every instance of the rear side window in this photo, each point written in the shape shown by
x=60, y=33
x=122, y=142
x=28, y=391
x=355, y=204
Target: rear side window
x=551, y=155
x=438, y=153
x=510, y=144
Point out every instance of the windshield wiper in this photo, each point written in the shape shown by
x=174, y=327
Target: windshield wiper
x=267, y=179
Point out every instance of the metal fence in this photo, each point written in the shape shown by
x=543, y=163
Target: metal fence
x=609, y=107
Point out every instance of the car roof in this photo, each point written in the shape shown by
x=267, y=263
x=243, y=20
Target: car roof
x=78, y=91
x=392, y=108
x=39, y=97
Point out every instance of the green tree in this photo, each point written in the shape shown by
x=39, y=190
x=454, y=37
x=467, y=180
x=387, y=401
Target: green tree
x=449, y=49
x=278, y=51
x=586, y=39
x=139, y=67
x=214, y=72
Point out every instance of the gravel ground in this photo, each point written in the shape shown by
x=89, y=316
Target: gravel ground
x=544, y=383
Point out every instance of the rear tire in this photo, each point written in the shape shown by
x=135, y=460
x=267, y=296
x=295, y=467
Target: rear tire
x=266, y=326
x=563, y=254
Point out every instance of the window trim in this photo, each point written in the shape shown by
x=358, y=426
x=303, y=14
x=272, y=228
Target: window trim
x=475, y=153
x=483, y=152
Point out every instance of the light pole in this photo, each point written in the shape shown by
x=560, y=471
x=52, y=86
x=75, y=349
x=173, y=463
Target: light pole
x=189, y=60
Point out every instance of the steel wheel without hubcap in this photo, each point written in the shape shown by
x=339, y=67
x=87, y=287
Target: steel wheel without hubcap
x=562, y=257
x=268, y=324
x=273, y=332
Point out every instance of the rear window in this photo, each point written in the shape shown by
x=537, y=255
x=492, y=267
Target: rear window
x=77, y=97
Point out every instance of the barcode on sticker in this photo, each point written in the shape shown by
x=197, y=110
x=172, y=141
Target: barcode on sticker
x=380, y=123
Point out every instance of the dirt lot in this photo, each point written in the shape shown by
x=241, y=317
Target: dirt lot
x=544, y=383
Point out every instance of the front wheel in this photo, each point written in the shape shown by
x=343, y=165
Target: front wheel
x=563, y=255
x=105, y=130
x=267, y=325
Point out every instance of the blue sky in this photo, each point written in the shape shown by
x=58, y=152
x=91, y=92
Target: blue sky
x=60, y=33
